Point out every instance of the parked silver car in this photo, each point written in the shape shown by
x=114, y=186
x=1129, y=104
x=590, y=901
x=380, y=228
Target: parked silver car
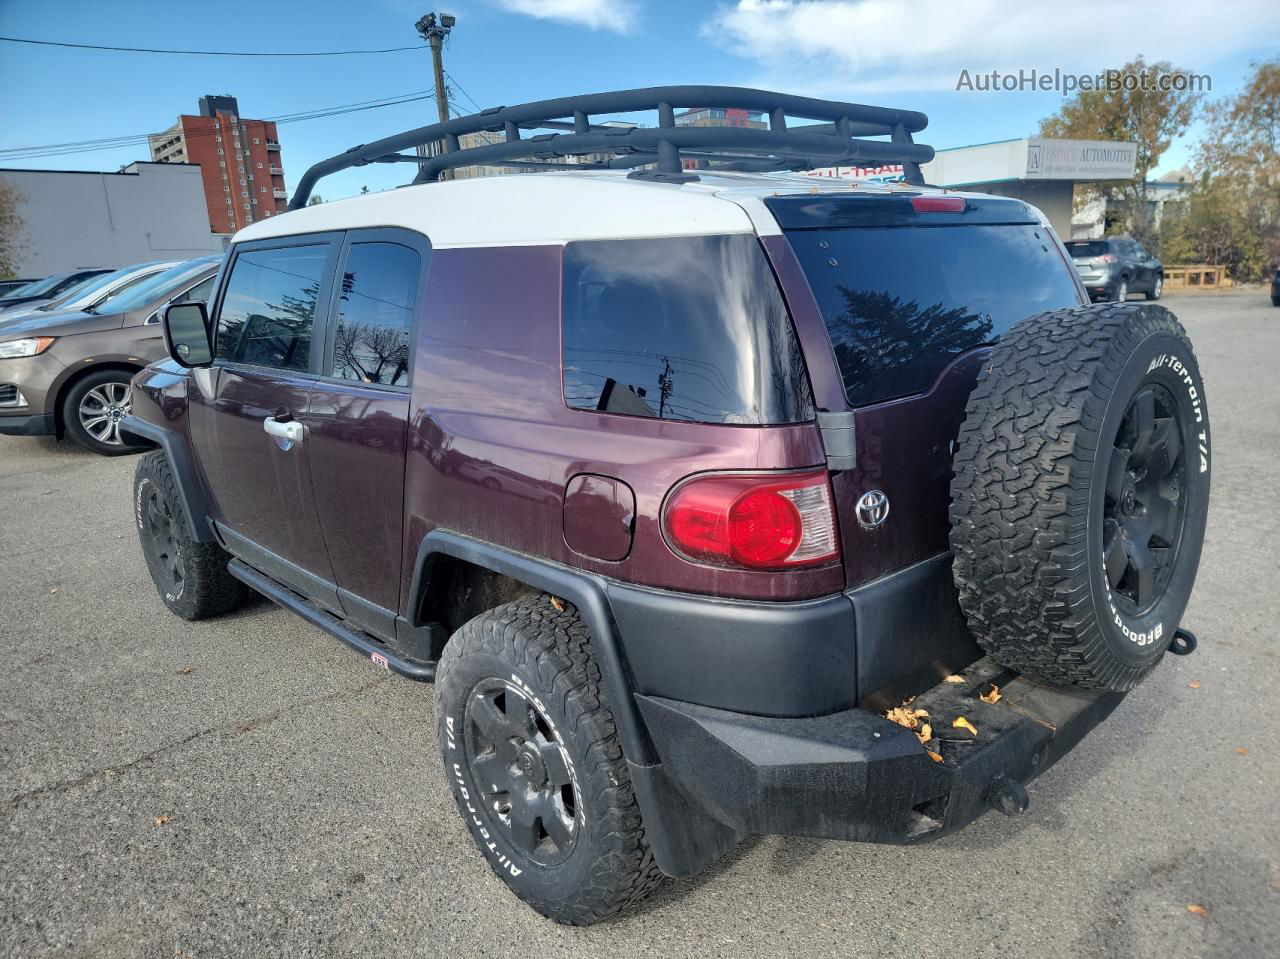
x=92, y=294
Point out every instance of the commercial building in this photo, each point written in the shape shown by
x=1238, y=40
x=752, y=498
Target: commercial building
x=239, y=162
x=721, y=117
x=146, y=211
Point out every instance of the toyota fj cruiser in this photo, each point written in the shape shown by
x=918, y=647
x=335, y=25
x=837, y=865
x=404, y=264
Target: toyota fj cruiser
x=716, y=499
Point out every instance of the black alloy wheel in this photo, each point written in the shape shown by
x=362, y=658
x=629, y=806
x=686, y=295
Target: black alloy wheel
x=161, y=534
x=1142, y=516
x=521, y=768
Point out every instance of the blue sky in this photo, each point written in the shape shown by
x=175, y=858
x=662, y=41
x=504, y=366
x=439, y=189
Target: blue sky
x=892, y=52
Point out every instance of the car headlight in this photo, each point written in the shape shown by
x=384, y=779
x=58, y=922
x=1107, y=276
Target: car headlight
x=31, y=346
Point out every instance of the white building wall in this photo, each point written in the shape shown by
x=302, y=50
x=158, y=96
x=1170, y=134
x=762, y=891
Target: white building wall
x=150, y=211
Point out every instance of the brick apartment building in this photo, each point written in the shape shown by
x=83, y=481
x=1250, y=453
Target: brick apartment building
x=239, y=162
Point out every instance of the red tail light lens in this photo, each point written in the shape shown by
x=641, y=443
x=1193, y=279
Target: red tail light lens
x=1107, y=258
x=938, y=204
x=753, y=520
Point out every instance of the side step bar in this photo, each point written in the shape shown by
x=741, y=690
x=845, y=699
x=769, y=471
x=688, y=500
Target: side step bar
x=361, y=642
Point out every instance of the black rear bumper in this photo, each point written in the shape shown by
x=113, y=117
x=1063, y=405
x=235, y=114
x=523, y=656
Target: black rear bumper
x=854, y=775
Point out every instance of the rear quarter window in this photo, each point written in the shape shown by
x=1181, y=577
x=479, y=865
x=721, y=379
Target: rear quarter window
x=680, y=328
x=900, y=303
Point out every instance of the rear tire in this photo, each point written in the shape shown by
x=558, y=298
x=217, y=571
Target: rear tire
x=1122, y=290
x=1157, y=287
x=92, y=411
x=192, y=578
x=533, y=760
x=1080, y=494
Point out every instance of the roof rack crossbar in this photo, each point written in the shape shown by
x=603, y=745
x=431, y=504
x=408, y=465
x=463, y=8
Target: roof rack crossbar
x=837, y=137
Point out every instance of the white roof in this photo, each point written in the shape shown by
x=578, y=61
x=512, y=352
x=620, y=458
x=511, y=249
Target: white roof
x=555, y=208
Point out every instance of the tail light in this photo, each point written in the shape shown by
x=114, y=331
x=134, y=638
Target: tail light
x=1107, y=258
x=753, y=520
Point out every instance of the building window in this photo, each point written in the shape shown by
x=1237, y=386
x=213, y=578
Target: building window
x=242, y=181
x=255, y=139
x=259, y=166
x=220, y=151
x=262, y=189
x=255, y=201
x=244, y=192
x=226, y=188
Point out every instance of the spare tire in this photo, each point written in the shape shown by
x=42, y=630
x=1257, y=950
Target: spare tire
x=1080, y=494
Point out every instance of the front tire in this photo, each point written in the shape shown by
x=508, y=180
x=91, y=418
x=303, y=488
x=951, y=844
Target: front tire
x=93, y=409
x=1080, y=494
x=532, y=757
x=192, y=578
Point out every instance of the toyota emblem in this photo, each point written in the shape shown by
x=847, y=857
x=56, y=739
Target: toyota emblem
x=873, y=509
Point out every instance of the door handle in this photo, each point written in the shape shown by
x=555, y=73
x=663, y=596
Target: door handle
x=290, y=431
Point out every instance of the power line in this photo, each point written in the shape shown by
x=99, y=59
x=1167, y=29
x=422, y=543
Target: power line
x=454, y=82
x=111, y=143
x=207, y=53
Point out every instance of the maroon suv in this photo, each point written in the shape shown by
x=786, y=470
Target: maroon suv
x=716, y=500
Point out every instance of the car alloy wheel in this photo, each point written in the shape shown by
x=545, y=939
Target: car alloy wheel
x=1122, y=291
x=1142, y=517
x=101, y=410
x=522, y=771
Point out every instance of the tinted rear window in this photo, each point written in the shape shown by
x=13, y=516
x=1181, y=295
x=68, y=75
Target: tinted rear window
x=901, y=302
x=1093, y=248
x=682, y=328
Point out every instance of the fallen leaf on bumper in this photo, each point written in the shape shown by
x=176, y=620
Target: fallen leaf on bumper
x=905, y=716
x=934, y=756
x=961, y=723
x=924, y=733
x=953, y=678
x=991, y=696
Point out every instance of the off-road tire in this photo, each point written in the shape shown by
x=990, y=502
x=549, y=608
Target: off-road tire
x=117, y=382
x=205, y=587
x=547, y=651
x=1030, y=494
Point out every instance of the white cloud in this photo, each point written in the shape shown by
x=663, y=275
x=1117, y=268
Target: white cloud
x=618, y=15
x=830, y=45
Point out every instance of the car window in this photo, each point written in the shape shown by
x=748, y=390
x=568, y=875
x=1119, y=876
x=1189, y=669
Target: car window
x=682, y=328
x=900, y=303
x=269, y=307
x=1083, y=248
x=159, y=286
x=375, y=313
x=198, y=293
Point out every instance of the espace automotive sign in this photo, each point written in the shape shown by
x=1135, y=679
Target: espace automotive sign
x=1080, y=160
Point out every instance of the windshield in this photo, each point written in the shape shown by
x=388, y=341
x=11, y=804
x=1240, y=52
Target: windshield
x=158, y=286
x=85, y=293
x=41, y=287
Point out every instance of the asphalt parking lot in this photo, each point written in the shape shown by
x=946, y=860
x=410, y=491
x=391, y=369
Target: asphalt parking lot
x=302, y=811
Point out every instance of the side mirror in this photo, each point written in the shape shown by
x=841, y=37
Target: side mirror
x=186, y=334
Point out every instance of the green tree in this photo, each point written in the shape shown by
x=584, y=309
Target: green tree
x=11, y=229
x=1240, y=157
x=1150, y=117
x=316, y=200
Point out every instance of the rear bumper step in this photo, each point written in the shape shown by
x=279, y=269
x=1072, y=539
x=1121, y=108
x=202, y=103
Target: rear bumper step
x=361, y=642
x=854, y=775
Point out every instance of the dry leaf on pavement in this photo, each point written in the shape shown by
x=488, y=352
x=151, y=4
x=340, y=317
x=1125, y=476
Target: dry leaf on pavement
x=1198, y=910
x=1242, y=751
x=161, y=820
x=184, y=670
x=961, y=723
x=1194, y=684
x=991, y=696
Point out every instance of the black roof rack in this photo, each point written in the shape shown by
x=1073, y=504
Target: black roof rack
x=839, y=139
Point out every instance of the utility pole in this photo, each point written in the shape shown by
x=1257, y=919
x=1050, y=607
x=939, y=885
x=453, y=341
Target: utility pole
x=434, y=31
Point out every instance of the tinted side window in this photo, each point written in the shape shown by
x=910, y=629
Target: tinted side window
x=269, y=307
x=199, y=292
x=375, y=313
x=683, y=328
x=901, y=302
